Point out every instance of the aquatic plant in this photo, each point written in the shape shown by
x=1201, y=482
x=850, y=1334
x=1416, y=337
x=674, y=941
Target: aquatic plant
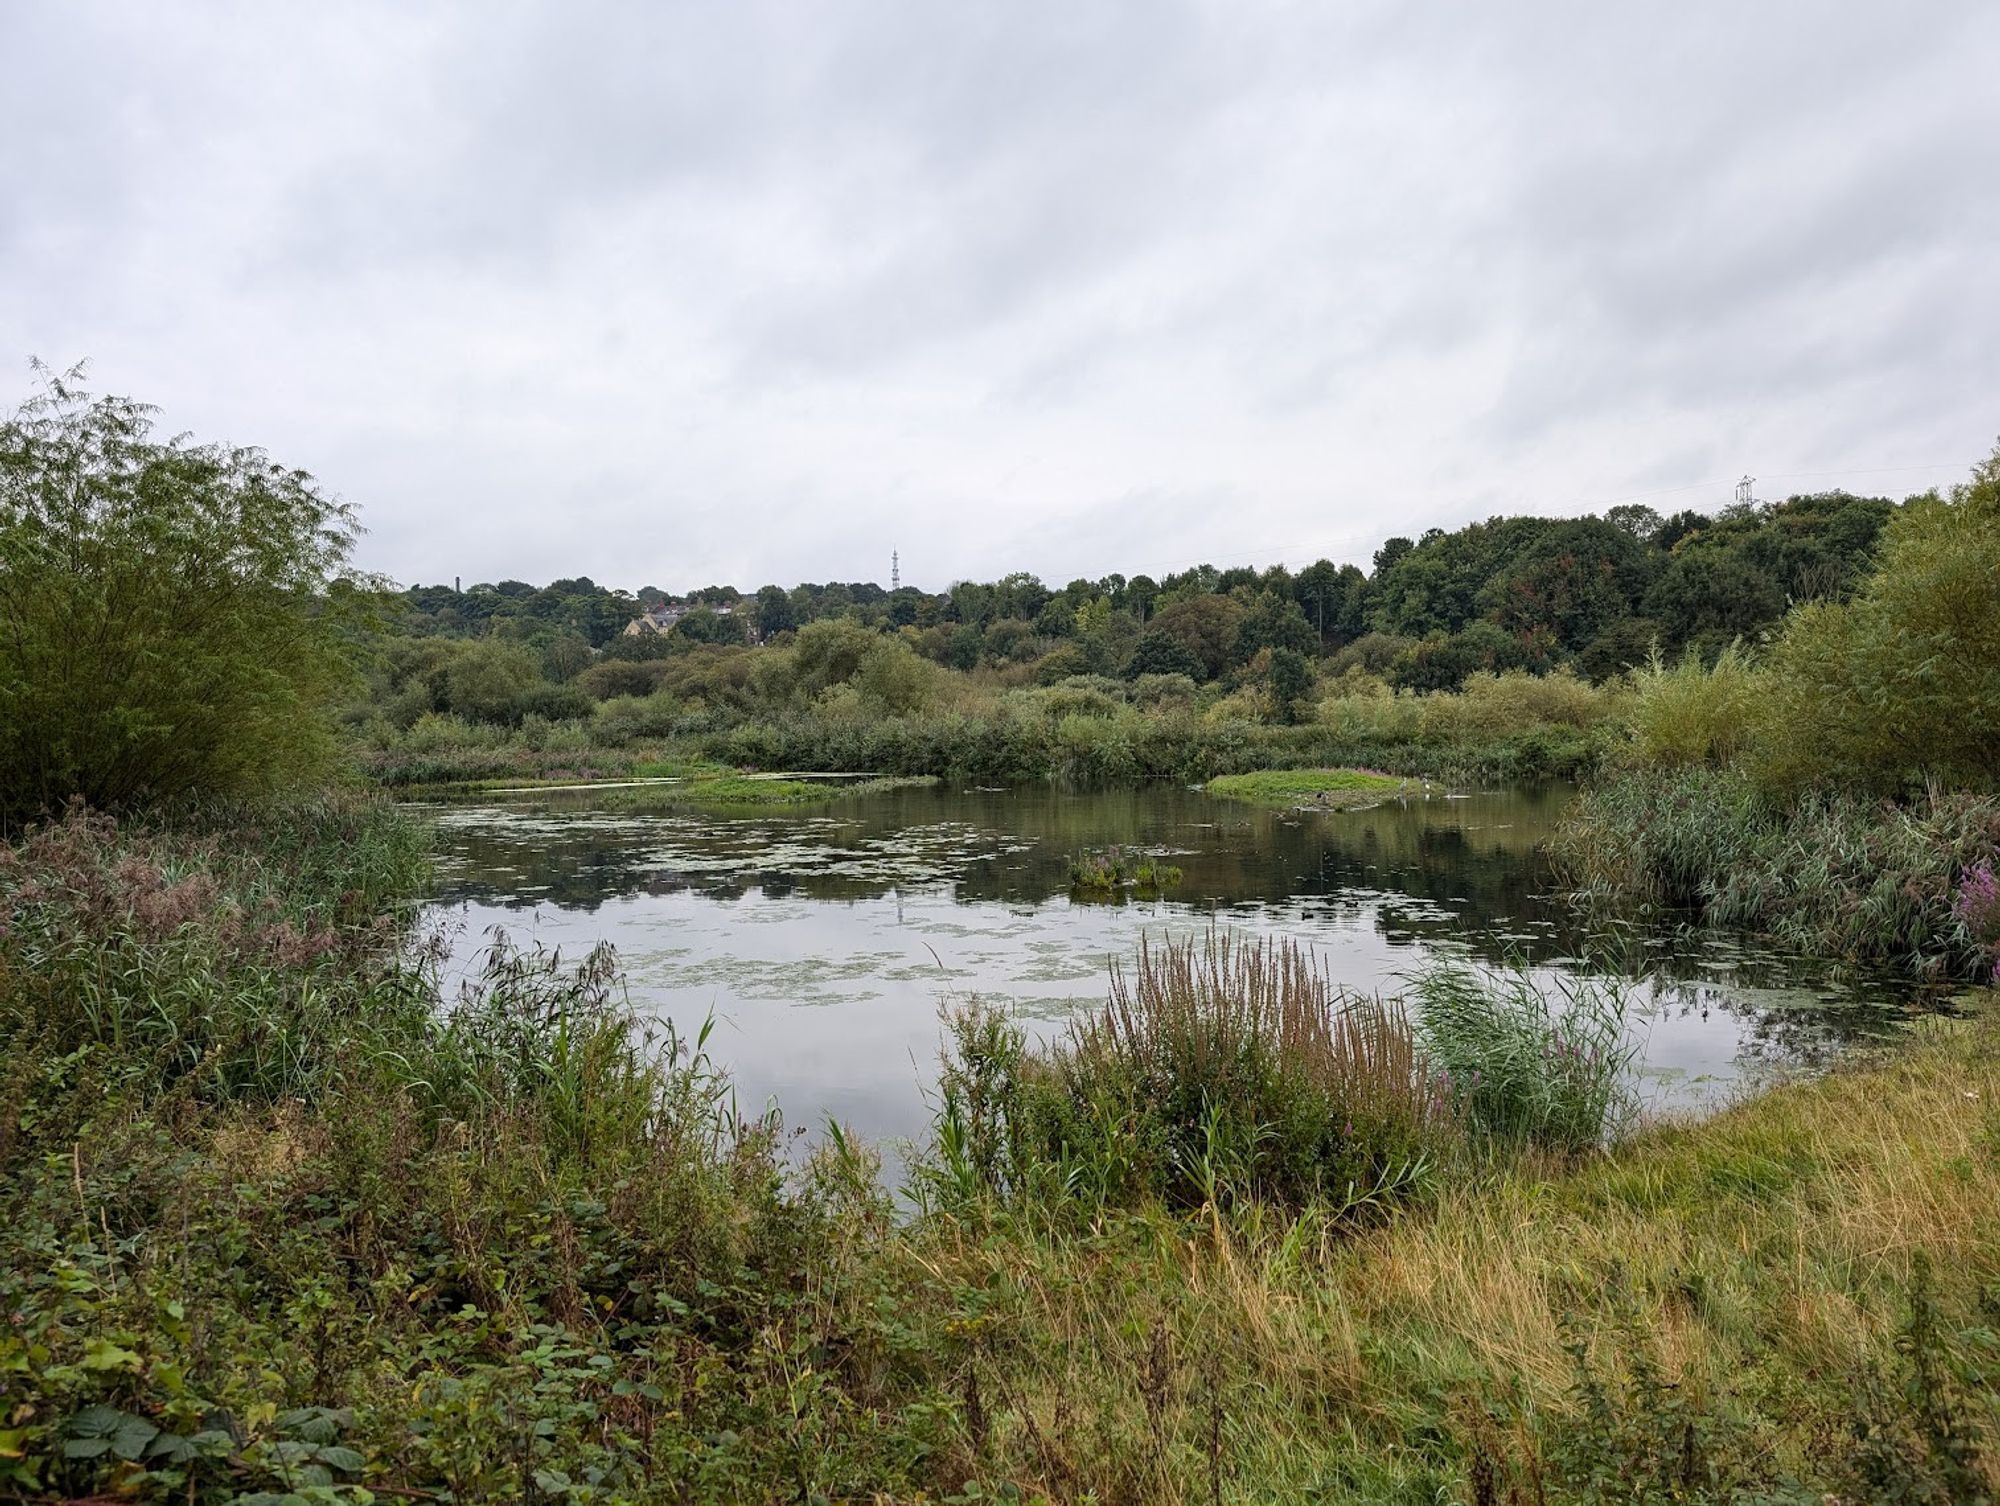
x=1106, y=871
x=1220, y=1071
x=1540, y=1060
x=1832, y=875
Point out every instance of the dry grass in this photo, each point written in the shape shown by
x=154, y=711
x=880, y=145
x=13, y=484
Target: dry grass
x=1762, y=1260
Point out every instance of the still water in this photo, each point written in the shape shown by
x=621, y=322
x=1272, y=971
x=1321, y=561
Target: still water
x=823, y=941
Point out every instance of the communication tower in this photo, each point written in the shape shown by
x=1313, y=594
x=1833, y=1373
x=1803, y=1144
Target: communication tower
x=895, y=571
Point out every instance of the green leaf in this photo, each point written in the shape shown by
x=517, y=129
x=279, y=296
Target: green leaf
x=97, y=1421
x=340, y=1457
x=173, y=1448
x=102, y=1354
x=133, y=1434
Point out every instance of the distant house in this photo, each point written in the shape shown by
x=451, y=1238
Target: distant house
x=660, y=618
x=656, y=619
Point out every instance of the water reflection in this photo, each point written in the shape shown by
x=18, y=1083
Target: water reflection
x=824, y=941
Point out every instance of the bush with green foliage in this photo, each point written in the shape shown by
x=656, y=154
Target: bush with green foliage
x=1691, y=714
x=1901, y=684
x=173, y=616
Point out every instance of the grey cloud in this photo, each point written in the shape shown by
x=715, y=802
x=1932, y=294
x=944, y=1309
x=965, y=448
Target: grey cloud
x=685, y=291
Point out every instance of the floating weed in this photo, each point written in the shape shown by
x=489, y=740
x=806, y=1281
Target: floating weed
x=1107, y=871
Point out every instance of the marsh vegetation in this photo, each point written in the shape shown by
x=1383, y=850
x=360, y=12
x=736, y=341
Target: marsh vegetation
x=291, y=1211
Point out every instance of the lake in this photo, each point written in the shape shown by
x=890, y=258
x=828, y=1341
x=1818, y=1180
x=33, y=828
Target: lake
x=824, y=939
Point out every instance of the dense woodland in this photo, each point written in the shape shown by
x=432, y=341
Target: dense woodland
x=1597, y=594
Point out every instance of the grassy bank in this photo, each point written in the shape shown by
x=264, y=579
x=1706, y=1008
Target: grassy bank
x=279, y=1221
x=1792, y=1300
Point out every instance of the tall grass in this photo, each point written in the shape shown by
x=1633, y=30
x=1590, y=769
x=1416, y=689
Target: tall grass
x=1731, y=1311
x=1831, y=875
x=1220, y=1071
x=1540, y=1062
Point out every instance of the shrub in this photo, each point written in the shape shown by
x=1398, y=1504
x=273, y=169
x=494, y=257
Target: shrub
x=554, y=703
x=893, y=681
x=830, y=651
x=1068, y=662
x=626, y=718
x=438, y=732
x=1902, y=684
x=1161, y=655
x=1373, y=652
x=1082, y=695
x=1442, y=661
x=487, y=682
x=1690, y=714
x=171, y=615
x=1372, y=716
x=1502, y=705
x=1247, y=704
x=614, y=678
x=1164, y=692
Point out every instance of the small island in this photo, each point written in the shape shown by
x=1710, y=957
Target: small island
x=1313, y=789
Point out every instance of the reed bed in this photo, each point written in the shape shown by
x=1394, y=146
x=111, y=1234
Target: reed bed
x=1540, y=1060
x=1219, y=1072
x=1832, y=875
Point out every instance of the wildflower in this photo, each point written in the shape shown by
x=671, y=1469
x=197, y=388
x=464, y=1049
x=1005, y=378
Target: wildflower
x=1978, y=902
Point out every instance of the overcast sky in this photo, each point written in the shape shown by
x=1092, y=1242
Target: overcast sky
x=679, y=294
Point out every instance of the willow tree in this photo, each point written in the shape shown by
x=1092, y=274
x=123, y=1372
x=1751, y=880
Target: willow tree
x=171, y=613
x=1900, y=686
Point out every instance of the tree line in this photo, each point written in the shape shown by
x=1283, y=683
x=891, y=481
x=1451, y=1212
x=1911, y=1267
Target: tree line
x=1596, y=593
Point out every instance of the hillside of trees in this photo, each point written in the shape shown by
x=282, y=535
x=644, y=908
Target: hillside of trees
x=1595, y=594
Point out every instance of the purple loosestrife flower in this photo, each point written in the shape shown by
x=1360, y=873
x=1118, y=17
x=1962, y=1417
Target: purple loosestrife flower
x=1978, y=903
x=1978, y=907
